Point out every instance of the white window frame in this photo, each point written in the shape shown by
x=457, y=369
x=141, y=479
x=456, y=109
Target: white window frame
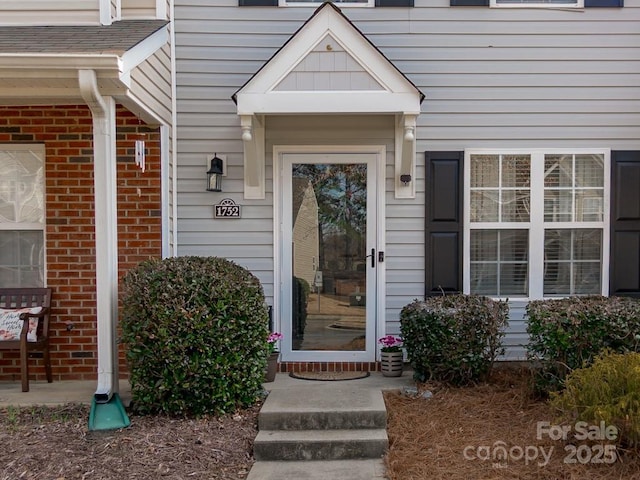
x=317, y=3
x=537, y=224
x=31, y=226
x=537, y=4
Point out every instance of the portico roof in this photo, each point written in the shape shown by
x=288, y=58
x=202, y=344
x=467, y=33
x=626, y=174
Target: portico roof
x=376, y=85
x=40, y=64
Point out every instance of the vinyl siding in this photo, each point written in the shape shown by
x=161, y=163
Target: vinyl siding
x=138, y=9
x=151, y=83
x=71, y=12
x=508, y=78
x=48, y=12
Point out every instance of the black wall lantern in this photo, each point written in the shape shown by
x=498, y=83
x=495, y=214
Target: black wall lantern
x=214, y=175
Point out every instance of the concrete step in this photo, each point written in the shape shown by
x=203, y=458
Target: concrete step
x=271, y=445
x=326, y=420
x=319, y=408
x=370, y=469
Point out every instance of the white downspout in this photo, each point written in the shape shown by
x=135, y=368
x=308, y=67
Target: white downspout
x=103, y=111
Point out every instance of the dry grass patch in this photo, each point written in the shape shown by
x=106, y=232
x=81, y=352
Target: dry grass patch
x=450, y=435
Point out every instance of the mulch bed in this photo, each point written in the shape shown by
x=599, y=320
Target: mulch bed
x=454, y=434
x=429, y=438
x=55, y=444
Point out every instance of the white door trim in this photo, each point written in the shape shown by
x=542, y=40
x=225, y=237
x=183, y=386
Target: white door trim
x=278, y=170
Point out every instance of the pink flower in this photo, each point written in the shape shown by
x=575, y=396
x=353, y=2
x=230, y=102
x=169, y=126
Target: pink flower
x=274, y=337
x=390, y=343
x=271, y=341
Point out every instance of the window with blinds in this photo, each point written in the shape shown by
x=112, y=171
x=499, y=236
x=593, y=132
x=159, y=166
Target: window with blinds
x=22, y=215
x=536, y=223
x=538, y=3
x=317, y=3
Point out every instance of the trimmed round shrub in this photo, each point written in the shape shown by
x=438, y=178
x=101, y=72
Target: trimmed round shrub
x=607, y=391
x=454, y=338
x=568, y=333
x=195, y=331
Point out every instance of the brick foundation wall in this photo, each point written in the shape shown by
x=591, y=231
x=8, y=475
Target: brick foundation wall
x=286, y=367
x=66, y=132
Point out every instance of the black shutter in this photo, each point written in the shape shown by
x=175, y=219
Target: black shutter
x=469, y=3
x=625, y=224
x=443, y=222
x=603, y=3
x=394, y=3
x=587, y=3
x=258, y=3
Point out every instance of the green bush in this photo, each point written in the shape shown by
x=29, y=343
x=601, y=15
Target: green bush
x=609, y=391
x=568, y=333
x=195, y=331
x=453, y=338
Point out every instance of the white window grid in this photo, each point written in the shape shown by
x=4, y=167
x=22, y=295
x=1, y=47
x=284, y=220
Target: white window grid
x=537, y=224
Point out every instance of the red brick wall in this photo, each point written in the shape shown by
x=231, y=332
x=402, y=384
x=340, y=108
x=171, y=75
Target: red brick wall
x=66, y=132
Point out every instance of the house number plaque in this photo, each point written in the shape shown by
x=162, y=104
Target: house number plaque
x=227, y=208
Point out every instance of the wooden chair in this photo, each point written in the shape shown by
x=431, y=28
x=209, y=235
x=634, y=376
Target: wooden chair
x=16, y=298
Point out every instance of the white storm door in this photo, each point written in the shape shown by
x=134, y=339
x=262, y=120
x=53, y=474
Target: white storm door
x=329, y=256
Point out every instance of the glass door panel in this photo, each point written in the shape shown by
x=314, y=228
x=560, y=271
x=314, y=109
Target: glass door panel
x=329, y=256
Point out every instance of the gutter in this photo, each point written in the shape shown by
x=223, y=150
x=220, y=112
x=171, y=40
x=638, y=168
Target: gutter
x=62, y=61
x=103, y=112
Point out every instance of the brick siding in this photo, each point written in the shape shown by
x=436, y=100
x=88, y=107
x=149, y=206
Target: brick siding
x=66, y=132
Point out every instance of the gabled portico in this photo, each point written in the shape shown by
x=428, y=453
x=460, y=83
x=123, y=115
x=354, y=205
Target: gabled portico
x=328, y=67
x=330, y=114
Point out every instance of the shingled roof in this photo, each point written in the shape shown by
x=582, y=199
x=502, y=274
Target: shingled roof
x=116, y=38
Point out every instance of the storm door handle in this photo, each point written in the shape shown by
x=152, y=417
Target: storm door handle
x=373, y=257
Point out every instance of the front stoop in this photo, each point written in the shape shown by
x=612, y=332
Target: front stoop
x=321, y=431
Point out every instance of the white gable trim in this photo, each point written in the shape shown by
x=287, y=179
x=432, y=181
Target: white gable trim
x=259, y=97
x=328, y=22
x=150, y=45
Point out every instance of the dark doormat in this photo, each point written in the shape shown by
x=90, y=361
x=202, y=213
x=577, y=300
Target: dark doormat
x=329, y=376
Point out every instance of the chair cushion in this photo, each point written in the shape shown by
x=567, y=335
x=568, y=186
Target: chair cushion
x=11, y=325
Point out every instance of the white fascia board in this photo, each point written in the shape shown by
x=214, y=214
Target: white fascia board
x=150, y=45
x=39, y=61
x=287, y=58
x=328, y=102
